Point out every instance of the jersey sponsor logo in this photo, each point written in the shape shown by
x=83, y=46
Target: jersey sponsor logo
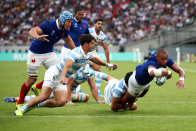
x=84, y=26
x=53, y=32
x=33, y=61
x=62, y=34
x=75, y=25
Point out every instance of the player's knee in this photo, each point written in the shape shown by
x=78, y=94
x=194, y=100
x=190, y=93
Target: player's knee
x=61, y=103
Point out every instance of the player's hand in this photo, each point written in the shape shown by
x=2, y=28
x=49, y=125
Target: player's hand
x=63, y=81
x=111, y=66
x=101, y=102
x=42, y=38
x=129, y=105
x=180, y=84
x=71, y=103
x=100, y=43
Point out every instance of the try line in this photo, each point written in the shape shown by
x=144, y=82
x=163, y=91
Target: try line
x=102, y=116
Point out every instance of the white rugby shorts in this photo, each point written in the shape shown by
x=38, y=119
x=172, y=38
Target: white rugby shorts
x=53, y=75
x=47, y=59
x=107, y=91
x=134, y=88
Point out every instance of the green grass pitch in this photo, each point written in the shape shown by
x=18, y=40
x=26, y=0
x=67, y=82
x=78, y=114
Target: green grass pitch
x=163, y=108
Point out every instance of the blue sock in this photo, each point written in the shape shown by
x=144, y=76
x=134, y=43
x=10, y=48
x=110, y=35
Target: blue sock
x=24, y=108
x=39, y=105
x=99, y=75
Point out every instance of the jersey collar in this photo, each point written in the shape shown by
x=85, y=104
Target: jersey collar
x=83, y=53
x=57, y=24
x=75, y=19
x=125, y=84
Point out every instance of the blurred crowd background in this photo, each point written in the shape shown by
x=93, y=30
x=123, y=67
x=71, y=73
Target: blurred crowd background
x=125, y=21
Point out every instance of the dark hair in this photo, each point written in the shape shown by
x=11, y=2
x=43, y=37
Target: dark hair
x=78, y=9
x=161, y=51
x=86, y=38
x=98, y=20
x=127, y=76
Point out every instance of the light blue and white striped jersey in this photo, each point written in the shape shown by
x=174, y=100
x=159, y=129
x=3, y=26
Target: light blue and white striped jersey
x=118, y=90
x=79, y=77
x=100, y=37
x=79, y=58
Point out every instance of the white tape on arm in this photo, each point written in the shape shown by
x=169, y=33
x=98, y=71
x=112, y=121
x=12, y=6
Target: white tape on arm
x=157, y=72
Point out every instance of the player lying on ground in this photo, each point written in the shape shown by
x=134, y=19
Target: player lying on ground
x=55, y=76
x=72, y=82
x=115, y=90
x=140, y=81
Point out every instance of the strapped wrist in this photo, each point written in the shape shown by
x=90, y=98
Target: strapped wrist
x=169, y=72
x=181, y=79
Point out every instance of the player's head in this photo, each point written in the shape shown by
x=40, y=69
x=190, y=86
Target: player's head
x=87, y=41
x=98, y=24
x=79, y=14
x=127, y=76
x=66, y=18
x=162, y=57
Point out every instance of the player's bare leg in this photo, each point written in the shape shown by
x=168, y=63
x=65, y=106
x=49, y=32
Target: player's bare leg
x=97, y=80
x=60, y=99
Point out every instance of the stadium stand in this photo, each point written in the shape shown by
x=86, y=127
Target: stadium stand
x=124, y=20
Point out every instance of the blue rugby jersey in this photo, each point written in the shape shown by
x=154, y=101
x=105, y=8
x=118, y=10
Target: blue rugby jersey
x=79, y=77
x=118, y=90
x=79, y=58
x=100, y=37
x=76, y=30
x=51, y=29
x=142, y=76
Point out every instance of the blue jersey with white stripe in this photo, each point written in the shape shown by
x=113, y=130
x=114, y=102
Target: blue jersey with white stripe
x=79, y=77
x=76, y=30
x=118, y=90
x=142, y=76
x=51, y=29
x=100, y=37
x=79, y=58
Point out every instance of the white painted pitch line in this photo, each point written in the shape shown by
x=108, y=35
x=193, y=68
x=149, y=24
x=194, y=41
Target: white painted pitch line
x=102, y=116
x=145, y=102
x=190, y=70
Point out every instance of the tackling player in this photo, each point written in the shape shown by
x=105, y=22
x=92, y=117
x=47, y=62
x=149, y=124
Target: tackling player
x=115, y=90
x=41, y=50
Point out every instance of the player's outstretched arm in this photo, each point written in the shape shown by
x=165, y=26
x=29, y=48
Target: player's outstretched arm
x=100, y=62
x=66, y=67
x=69, y=42
x=94, y=90
x=35, y=33
x=154, y=72
x=181, y=73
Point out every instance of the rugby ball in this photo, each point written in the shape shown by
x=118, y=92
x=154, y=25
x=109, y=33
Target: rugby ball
x=160, y=80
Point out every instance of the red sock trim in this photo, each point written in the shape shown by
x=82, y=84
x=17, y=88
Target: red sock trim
x=39, y=85
x=23, y=92
x=122, y=100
